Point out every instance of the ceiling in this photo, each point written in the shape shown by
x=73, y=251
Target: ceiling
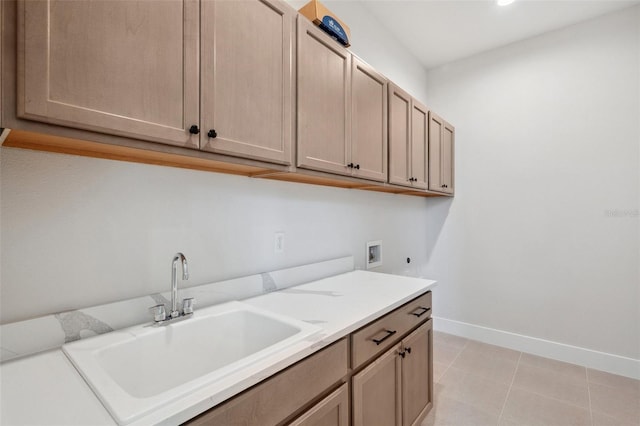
x=441, y=31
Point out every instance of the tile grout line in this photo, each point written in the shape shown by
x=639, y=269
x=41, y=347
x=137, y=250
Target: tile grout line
x=513, y=379
x=589, y=393
x=563, y=401
x=453, y=360
x=553, y=398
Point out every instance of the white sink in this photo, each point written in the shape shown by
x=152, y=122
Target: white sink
x=135, y=370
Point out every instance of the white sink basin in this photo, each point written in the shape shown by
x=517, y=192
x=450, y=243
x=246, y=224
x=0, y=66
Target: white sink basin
x=135, y=370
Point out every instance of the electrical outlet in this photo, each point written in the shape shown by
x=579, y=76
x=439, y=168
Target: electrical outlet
x=279, y=242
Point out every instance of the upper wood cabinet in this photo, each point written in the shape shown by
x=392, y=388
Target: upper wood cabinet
x=419, y=145
x=238, y=82
x=399, y=136
x=408, y=140
x=324, y=113
x=342, y=109
x=441, y=155
x=247, y=50
x=128, y=68
x=368, y=122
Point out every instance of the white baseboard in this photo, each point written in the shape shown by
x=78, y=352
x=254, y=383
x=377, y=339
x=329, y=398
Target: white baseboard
x=615, y=364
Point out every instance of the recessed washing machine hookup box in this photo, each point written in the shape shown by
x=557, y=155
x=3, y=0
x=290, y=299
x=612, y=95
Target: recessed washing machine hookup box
x=317, y=13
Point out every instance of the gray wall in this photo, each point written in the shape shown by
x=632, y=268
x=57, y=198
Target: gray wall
x=542, y=239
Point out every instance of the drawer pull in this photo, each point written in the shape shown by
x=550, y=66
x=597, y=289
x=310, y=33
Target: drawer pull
x=419, y=314
x=389, y=334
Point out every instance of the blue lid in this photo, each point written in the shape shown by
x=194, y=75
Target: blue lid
x=333, y=27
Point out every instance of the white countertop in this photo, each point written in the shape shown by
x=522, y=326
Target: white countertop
x=46, y=389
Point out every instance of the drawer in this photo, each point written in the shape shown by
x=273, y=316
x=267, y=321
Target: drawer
x=275, y=399
x=379, y=335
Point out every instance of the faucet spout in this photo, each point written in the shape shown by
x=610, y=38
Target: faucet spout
x=174, y=281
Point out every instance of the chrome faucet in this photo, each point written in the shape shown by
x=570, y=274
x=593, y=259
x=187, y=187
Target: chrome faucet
x=159, y=311
x=174, y=282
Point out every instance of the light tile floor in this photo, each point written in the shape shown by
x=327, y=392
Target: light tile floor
x=478, y=384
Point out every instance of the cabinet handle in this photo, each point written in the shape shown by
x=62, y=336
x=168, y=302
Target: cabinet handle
x=386, y=336
x=194, y=130
x=402, y=353
x=350, y=165
x=408, y=350
x=357, y=166
x=416, y=314
x=212, y=134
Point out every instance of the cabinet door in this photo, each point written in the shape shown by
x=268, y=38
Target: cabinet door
x=417, y=384
x=369, y=122
x=435, y=164
x=279, y=397
x=436, y=130
x=447, y=153
x=419, y=144
x=399, y=136
x=324, y=115
x=128, y=68
x=377, y=392
x=247, y=93
x=331, y=411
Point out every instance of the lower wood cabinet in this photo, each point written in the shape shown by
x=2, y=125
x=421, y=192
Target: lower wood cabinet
x=417, y=374
x=280, y=397
x=377, y=391
x=379, y=375
x=331, y=411
x=397, y=388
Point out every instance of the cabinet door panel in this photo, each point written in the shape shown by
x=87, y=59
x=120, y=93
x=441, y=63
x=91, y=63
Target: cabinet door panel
x=324, y=118
x=331, y=411
x=369, y=122
x=121, y=67
x=277, y=398
x=419, y=145
x=399, y=135
x=441, y=155
x=436, y=125
x=417, y=386
x=377, y=392
x=247, y=94
x=447, y=152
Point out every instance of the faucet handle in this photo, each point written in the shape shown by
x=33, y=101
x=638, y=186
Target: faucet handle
x=159, y=313
x=187, y=306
